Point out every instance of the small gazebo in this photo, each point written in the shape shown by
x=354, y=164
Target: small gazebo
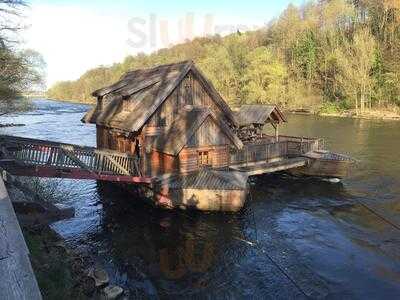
x=252, y=119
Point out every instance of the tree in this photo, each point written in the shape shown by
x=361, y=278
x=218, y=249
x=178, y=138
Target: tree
x=305, y=54
x=219, y=68
x=10, y=21
x=19, y=70
x=264, y=78
x=355, y=60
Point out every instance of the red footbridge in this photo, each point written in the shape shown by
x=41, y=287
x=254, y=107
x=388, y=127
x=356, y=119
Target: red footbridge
x=38, y=158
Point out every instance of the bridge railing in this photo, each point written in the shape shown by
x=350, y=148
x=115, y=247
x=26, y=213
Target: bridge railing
x=37, y=152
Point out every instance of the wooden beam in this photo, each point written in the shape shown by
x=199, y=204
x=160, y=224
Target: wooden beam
x=115, y=163
x=71, y=156
x=73, y=173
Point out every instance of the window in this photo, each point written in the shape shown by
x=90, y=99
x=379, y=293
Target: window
x=204, y=158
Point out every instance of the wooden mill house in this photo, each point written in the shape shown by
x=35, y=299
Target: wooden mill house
x=170, y=117
x=183, y=135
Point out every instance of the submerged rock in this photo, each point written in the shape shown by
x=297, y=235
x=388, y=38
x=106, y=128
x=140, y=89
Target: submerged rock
x=112, y=292
x=100, y=276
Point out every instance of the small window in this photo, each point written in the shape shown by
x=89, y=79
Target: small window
x=204, y=159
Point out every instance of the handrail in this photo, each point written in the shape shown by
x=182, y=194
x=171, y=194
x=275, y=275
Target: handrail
x=38, y=152
x=264, y=151
x=8, y=139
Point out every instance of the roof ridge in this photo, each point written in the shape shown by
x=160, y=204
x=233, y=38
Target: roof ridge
x=157, y=67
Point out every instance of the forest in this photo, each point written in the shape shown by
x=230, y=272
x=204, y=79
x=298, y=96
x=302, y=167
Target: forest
x=327, y=56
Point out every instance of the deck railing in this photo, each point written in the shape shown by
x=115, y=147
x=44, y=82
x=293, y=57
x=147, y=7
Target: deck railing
x=44, y=153
x=267, y=149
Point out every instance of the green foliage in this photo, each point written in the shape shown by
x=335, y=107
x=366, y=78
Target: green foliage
x=305, y=55
x=337, y=51
x=264, y=78
x=355, y=61
x=331, y=108
x=219, y=68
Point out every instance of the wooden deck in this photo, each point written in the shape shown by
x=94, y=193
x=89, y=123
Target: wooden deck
x=17, y=280
x=268, y=155
x=276, y=166
x=32, y=157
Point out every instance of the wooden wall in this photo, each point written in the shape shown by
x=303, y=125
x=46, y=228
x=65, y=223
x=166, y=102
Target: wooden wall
x=208, y=134
x=158, y=163
x=189, y=157
x=189, y=92
x=107, y=139
x=208, y=138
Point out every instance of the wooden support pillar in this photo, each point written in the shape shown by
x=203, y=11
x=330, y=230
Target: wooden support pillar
x=276, y=127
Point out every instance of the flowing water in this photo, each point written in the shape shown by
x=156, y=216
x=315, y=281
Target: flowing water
x=296, y=237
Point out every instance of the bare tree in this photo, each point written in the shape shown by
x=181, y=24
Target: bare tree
x=19, y=69
x=11, y=21
x=355, y=60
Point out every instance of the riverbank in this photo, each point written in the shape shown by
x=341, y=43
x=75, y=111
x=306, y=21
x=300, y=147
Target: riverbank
x=88, y=102
x=385, y=115
x=61, y=271
x=369, y=114
x=390, y=114
x=55, y=267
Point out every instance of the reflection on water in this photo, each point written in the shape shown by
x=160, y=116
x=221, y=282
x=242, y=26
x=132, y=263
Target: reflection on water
x=295, y=238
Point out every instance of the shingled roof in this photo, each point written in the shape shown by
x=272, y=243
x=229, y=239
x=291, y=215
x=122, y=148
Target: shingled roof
x=185, y=125
x=259, y=114
x=207, y=179
x=148, y=89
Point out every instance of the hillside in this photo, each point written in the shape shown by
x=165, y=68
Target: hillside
x=329, y=56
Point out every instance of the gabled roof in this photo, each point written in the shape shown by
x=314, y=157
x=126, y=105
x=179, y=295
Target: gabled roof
x=259, y=114
x=183, y=128
x=147, y=89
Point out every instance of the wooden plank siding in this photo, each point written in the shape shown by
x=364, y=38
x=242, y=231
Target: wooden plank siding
x=160, y=163
x=107, y=139
x=189, y=157
x=189, y=92
x=208, y=138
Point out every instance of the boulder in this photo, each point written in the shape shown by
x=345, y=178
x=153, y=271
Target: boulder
x=100, y=276
x=112, y=292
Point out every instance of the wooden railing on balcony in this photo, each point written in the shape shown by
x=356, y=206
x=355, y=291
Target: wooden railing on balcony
x=267, y=149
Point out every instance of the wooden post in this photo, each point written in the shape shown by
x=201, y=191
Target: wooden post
x=247, y=155
x=277, y=132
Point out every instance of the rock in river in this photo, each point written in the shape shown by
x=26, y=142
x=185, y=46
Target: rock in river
x=112, y=292
x=100, y=276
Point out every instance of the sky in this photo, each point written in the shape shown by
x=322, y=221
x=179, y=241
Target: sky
x=75, y=36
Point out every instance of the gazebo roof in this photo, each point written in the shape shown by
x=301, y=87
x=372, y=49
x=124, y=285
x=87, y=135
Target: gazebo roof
x=259, y=114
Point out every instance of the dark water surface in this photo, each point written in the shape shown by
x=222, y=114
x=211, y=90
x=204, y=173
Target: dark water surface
x=295, y=238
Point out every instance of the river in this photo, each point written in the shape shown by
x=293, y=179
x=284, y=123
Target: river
x=295, y=237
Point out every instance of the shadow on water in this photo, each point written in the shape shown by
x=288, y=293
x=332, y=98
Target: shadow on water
x=160, y=253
